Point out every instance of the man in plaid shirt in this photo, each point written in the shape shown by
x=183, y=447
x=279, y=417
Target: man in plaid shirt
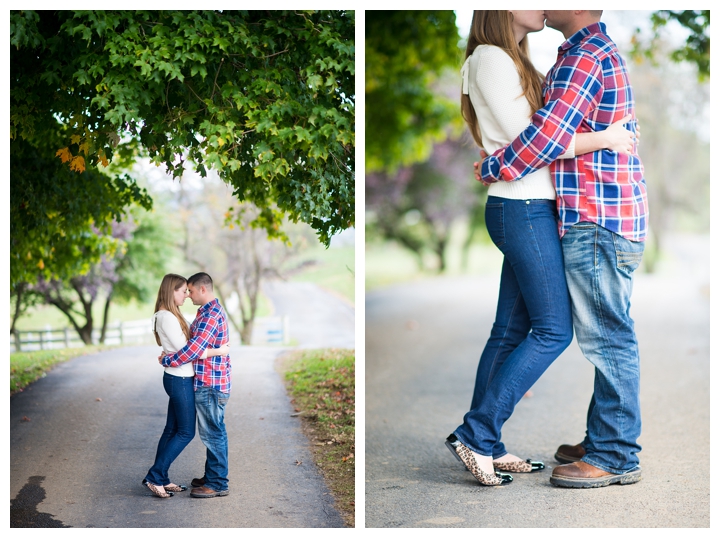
x=212, y=384
x=602, y=205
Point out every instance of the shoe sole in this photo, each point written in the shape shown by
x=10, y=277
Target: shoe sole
x=622, y=479
x=208, y=496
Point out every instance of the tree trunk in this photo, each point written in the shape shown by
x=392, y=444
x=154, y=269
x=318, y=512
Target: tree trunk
x=106, y=313
x=246, y=333
x=19, y=292
x=86, y=334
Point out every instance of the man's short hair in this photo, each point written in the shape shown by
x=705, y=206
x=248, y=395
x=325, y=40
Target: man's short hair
x=201, y=279
x=596, y=13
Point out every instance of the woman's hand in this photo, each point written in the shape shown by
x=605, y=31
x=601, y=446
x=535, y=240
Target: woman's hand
x=477, y=166
x=618, y=138
x=224, y=349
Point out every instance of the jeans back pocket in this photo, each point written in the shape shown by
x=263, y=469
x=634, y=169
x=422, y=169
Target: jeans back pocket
x=628, y=254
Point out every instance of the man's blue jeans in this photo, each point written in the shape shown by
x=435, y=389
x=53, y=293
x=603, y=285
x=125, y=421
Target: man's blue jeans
x=599, y=266
x=533, y=323
x=210, y=405
x=179, y=427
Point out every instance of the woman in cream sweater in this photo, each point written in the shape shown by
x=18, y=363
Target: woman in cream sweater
x=172, y=333
x=533, y=323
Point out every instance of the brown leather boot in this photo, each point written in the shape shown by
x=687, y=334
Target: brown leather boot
x=569, y=453
x=583, y=475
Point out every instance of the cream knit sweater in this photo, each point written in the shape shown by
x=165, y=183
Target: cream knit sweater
x=491, y=80
x=173, y=339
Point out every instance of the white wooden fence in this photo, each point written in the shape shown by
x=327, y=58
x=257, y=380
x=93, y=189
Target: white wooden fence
x=271, y=330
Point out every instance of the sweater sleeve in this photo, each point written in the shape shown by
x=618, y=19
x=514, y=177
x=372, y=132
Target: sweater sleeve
x=172, y=331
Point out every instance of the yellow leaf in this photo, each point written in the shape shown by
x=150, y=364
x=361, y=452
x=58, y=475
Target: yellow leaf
x=75, y=139
x=84, y=147
x=221, y=142
x=78, y=164
x=29, y=255
x=41, y=265
x=103, y=159
x=64, y=154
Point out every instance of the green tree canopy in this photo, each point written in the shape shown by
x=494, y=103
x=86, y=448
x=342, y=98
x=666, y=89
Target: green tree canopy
x=266, y=98
x=697, y=45
x=405, y=53
x=60, y=219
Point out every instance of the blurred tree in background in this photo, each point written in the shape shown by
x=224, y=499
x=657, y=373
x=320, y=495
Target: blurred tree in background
x=419, y=205
x=405, y=55
x=417, y=184
x=696, y=49
x=130, y=272
x=239, y=257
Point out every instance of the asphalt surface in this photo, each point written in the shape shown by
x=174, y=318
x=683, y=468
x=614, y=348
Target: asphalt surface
x=318, y=318
x=423, y=341
x=83, y=437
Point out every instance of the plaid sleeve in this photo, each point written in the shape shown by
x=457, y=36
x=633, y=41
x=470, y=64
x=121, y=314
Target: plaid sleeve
x=576, y=87
x=203, y=335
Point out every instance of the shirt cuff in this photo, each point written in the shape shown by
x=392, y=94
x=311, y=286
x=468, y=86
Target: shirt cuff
x=489, y=165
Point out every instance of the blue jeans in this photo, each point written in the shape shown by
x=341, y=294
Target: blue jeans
x=179, y=427
x=533, y=323
x=599, y=266
x=210, y=405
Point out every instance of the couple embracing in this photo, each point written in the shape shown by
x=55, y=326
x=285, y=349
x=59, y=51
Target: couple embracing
x=197, y=382
x=567, y=206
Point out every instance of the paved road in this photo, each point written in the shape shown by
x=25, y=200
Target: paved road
x=317, y=317
x=422, y=345
x=83, y=437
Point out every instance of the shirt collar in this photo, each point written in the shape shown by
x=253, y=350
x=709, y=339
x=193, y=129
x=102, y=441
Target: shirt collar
x=209, y=305
x=577, y=37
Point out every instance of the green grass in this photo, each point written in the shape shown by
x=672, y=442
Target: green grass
x=334, y=270
x=27, y=367
x=321, y=384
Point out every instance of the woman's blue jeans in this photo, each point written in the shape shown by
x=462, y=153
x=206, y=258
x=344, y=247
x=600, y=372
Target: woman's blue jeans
x=210, y=404
x=533, y=322
x=600, y=266
x=179, y=428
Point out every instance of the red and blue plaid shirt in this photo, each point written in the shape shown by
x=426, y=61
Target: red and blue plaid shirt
x=209, y=330
x=586, y=90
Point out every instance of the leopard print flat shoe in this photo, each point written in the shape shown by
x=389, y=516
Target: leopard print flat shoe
x=526, y=466
x=175, y=488
x=465, y=455
x=158, y=491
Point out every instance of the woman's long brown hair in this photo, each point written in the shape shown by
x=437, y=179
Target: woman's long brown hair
x=170, y=284
x=494, y=27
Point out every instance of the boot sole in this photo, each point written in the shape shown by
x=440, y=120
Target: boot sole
x=622, y=479
x=209, y=496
